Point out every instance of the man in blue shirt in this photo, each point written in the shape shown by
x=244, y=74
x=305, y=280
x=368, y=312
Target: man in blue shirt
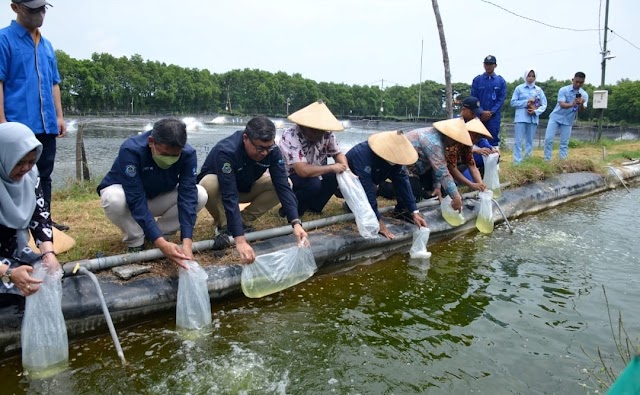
x=571, y=99
x=491, y=90
x=154, y=175
x=235, y=172
x=29, y=84
x=383, y=156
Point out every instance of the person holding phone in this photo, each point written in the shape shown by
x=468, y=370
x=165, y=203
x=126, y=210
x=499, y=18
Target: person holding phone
x=571, y=100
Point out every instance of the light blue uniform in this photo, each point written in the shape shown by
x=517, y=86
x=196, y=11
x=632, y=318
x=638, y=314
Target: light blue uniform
x=562, y=119
x=526, y=124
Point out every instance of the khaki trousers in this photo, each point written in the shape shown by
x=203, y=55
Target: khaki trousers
x=261, y=198
x=164, y=206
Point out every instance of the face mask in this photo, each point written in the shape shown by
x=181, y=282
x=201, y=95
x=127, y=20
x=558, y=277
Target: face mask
x=165, y=161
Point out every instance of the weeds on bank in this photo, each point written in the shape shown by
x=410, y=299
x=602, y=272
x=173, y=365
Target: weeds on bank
x=602, y=375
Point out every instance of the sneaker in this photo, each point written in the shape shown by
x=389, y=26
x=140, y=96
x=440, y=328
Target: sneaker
x=135, y=249
x=60, y=227
x=221, y=241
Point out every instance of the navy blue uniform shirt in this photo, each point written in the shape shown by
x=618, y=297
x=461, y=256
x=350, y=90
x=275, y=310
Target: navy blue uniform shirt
x=141, y=179
x=372, y=170
x=237, y=172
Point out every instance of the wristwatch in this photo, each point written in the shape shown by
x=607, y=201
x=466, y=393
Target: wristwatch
x=6, y=277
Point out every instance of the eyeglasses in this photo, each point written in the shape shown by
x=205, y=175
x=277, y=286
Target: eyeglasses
x=38, y=10
x=260, y=148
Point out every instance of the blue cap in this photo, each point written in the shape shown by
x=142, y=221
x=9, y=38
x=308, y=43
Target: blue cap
x=473, y=104
x=490, y=59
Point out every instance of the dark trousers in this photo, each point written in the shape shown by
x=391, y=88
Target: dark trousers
x=46, y=162
x=313, y=193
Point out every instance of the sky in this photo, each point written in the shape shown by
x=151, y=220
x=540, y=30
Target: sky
x=357, y=42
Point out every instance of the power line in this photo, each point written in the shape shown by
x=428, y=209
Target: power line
x=628, y=42
x=599, y=32
x=537, y=21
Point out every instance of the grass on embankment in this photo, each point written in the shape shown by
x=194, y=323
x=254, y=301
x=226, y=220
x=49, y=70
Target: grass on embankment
x=79, y=205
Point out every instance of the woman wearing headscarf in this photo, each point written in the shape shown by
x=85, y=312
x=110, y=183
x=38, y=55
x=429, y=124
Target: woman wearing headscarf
x=529, y=101
x=22, y=209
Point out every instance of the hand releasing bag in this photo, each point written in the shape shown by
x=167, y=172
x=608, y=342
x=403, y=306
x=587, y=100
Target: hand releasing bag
x=271, y=273
x=419, y=247
x=357, y=200
x=193, y=310
x=45, y=348
x=453, y=217
x=484, y=222
x=491, y=179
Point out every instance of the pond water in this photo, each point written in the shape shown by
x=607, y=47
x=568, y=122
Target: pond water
x=103, y=137
x=499, y=313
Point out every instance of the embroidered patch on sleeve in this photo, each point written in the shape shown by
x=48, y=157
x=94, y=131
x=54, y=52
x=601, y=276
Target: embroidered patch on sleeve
x=130, y=170
x=226, y=168
x=195, y=171
x=367, y=169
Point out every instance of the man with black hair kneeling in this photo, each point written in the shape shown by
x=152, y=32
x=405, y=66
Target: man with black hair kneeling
x=235, y=172
x=154, y=175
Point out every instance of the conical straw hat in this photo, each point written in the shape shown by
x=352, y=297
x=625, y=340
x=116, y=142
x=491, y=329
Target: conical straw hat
x=476, y=126
x=393, y=147
x=62, y=242
x=455, y=129
x=316, y=116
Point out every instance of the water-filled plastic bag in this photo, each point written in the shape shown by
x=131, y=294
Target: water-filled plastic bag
x=271, y=273
x=419, y=246
x=45, y=348
x=357, y=200
x=491, y=179
x=453, y=217
x=484, y=221
x=193, y=308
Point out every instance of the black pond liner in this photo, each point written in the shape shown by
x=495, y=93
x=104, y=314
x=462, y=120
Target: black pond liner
x=141, y=298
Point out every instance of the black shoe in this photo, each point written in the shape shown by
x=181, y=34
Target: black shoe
x=60, y=227
x=221, y=241
x=281, y=212
x=135, y=249
x=248, y=228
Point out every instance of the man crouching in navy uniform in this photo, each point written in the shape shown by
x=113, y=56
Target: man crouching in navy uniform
x=235, y=172
x=154, y=175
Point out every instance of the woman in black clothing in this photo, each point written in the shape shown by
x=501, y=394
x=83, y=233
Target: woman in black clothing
x=22, y=209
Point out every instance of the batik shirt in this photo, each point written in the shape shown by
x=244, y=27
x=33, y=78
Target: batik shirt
x=431, y=155
x=295, y=148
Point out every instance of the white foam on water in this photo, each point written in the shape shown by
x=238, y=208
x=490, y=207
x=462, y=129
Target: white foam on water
x=72, y=126
x=219, y=120
x=240, y=371
x=193, y=125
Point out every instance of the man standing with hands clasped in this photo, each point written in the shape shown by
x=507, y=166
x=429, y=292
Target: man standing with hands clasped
x=29, y=84
x=491, y=90
x=571, y=99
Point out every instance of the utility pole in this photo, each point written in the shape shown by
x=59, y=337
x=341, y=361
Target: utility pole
x=420, y=84
x=605, y=57
x=381, y=97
